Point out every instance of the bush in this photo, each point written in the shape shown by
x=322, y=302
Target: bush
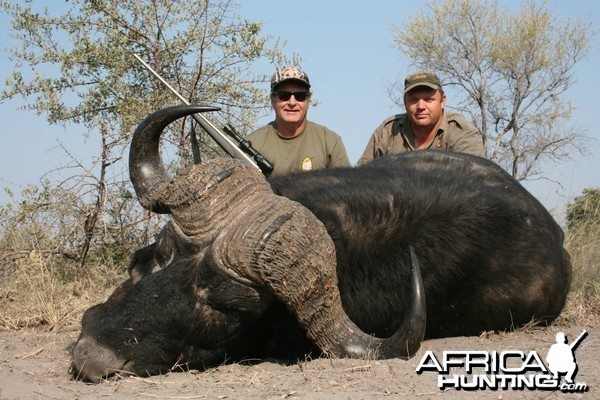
x=51, y=267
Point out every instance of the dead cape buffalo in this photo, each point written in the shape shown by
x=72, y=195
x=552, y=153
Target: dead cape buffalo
x=322, y=262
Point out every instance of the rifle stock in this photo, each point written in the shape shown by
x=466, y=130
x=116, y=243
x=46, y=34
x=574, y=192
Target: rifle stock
x=234, y=145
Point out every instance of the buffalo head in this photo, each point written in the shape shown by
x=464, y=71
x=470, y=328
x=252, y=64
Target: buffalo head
x=232, y=249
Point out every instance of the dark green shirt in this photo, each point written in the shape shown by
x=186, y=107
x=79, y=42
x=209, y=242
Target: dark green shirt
x=316, y=147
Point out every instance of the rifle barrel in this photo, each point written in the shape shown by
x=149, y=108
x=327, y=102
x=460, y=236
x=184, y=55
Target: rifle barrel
x=222, y=140
x=575, y=342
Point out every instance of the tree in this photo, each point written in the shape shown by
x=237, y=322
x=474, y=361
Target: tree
x=74, y=63
x=510, y=70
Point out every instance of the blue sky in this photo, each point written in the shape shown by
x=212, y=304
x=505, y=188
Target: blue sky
x=348, y=51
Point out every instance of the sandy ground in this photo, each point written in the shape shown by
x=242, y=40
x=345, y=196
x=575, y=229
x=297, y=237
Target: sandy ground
x=34, y=364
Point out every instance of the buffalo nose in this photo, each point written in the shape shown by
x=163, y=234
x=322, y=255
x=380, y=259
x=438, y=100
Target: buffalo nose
x=93, y=361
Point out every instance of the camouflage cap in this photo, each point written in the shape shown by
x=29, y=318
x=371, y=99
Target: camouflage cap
x=289, y=74
x=421, y=78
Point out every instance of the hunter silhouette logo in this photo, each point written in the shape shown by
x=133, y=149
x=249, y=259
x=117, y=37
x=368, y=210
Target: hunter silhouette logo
x=561, y=358
x=510, y=369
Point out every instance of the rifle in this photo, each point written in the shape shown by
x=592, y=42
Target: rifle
x=575, y=343
x=234, y=145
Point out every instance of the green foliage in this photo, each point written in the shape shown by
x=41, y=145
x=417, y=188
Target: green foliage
x=82, y=54
x=509, y=70
x=74, y=63
x=585, y=210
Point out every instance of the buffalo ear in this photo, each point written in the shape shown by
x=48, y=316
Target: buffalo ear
x=143, y=262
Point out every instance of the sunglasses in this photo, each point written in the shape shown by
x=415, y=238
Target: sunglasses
x=285, y=95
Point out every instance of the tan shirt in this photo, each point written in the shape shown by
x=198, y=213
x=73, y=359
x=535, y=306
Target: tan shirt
x=317, y=147
x=395, y=135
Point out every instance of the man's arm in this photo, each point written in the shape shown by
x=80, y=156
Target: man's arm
x=369, y=152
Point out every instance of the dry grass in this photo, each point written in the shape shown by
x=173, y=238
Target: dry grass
x=583, y=304
x=45, y=292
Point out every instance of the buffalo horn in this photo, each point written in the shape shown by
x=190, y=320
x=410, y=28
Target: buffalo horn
x=146, y=169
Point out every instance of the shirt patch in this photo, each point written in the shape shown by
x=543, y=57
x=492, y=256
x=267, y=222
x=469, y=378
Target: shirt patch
x=307, y=164
x=439, y=141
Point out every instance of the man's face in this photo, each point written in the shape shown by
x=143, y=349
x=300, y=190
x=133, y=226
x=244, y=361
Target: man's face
x=424, y=106
x=291, y=110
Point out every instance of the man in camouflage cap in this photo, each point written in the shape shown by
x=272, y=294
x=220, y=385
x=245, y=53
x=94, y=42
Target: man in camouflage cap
x=288, y=74
x=291, y=142
x=425, y=125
